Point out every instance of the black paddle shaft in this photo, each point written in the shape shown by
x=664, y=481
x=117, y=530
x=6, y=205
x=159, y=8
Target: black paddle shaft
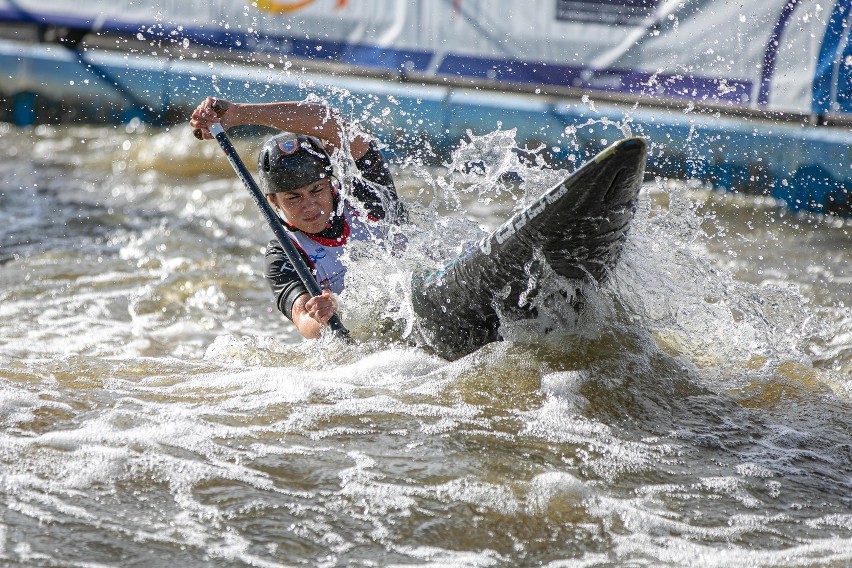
x=275, y=224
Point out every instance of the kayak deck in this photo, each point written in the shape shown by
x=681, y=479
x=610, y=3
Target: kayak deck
x=578, y=228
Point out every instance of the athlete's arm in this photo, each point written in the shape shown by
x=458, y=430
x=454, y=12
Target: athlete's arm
x=300, y=117
x=312, y=314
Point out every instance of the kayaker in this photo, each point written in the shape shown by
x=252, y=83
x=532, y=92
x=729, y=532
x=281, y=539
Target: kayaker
x=295, y=172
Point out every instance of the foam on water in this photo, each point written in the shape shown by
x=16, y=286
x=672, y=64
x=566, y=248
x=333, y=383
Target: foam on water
x=155, y=405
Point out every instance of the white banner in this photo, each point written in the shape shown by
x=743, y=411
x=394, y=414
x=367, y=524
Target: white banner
x=778, y=55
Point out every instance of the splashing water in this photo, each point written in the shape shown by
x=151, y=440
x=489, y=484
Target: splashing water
x=157, y=409
x=665, y=284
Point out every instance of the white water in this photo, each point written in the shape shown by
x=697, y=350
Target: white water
x=157, y=409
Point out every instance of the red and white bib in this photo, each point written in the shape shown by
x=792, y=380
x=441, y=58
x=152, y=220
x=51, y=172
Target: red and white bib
x=326, y=254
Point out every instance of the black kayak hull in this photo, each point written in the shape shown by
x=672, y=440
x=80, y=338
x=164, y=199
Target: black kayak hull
x=578, y=227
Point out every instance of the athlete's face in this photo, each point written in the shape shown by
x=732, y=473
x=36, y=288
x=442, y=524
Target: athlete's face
x=307, y=208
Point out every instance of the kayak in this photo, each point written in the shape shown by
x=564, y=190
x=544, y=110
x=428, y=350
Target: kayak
x=578, y=228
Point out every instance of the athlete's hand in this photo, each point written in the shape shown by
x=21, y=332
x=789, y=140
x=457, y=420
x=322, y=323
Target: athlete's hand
x=322, y=307
x=205, y=115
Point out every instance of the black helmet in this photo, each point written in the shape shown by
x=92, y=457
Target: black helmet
x=289, y=161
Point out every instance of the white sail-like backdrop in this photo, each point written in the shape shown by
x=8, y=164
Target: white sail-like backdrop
x=778, y=55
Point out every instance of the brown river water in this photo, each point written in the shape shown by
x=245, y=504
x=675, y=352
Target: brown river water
x=157, y=411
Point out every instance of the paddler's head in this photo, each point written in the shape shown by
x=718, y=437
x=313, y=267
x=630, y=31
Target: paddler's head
x=295, y=173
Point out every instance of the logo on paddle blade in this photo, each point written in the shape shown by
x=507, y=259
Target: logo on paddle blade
x=289, y=146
